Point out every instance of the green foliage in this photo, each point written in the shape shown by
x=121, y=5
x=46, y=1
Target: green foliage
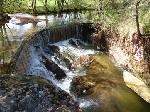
x=109, y=12
x=112, y=13
x=145, y=20
x=13, y=6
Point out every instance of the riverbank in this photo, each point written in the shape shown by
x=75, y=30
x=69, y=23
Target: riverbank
x=104, y=84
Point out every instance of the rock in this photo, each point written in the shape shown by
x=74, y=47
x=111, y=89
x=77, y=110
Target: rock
x=81, y=86
x=4, y=17
x=62, y=109
x=73, y=43
x=53, y=48
x=35, y=85
x=61, y=59
x=79, y=43
x=48, y=51
x=21, y=99
x=82, y=61
x=54, y=68
x=67, y=63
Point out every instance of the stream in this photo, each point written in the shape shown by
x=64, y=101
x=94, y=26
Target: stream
x=92, y=78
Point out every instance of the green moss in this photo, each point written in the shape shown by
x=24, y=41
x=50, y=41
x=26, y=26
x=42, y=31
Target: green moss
x=12, y=81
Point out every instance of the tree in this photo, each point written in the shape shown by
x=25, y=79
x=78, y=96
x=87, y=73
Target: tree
x=46, y=7
x=137, y=17
x=1, y=6
x=34, y=6
x=61, y=4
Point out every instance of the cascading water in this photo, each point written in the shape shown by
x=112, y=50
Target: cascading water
x=71, y=56
x=64, y=61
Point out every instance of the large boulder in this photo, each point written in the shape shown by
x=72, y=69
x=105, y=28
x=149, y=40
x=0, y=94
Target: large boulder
x=20, y=93
x=53, y=48
x=54, y=68
x=82, y=86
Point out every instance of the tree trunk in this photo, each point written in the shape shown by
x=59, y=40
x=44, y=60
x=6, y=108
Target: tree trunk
x=100, y=9
x=46, y=7
x=34, y=6
x=1, y=6
x=137, y=18
x=60, y=4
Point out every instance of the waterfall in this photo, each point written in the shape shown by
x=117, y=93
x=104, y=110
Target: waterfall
x=67, y=58
x=70, y=55
x=56, y=54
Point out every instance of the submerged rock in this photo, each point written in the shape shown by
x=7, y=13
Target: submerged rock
x=79, y=43
x=104, y=85
x=82, y=86
x=73, y=43
x=54, y=68
x=82, y=61
x=53, y=48
x=76, y=43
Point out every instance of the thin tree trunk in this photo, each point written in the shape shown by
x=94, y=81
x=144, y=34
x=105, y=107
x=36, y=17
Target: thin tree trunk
x=137, y=18
x=1, y=6
x=100, y=9
x=46, y=7
x=34, y=6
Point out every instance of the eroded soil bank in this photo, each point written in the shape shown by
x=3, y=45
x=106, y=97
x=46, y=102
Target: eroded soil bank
x=130, y=52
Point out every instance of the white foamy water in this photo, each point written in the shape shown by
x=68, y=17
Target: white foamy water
x=72, y=54
x=68, y=51
x=86, y=103
x=66, y=47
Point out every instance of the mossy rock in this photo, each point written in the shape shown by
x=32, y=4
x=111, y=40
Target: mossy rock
x=32, y=94
x=82, y=86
